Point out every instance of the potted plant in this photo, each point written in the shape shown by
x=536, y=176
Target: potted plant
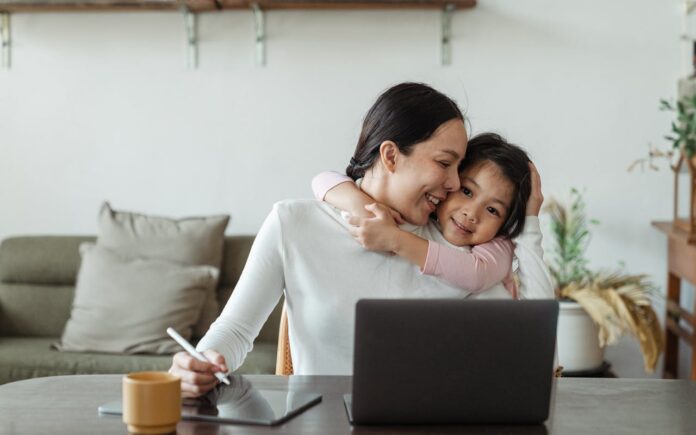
x=596, y=307
x=683, y=140
x=683, y=135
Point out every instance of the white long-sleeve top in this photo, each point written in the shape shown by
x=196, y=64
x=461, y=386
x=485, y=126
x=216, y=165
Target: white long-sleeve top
x=304, y=249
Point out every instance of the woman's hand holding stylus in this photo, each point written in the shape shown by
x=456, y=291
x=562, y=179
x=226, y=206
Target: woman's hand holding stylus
x=197, y=377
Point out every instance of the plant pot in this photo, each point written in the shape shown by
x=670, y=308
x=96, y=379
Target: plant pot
x=578, y=339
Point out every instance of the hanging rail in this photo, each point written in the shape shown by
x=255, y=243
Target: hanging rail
x=191, y=24
x=5, y=41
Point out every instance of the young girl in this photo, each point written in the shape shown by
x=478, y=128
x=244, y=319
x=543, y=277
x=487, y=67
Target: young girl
x=484, y=214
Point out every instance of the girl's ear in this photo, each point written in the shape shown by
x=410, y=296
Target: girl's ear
x=388, y=153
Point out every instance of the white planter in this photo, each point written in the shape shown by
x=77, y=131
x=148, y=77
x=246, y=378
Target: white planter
x=578, y=339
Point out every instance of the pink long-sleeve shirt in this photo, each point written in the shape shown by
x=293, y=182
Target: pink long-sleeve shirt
x=476, y=270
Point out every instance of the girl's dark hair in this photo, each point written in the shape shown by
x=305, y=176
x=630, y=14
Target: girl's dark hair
x=406, y=114
x=513, y=163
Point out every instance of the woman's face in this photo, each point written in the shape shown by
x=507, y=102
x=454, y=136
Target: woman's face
x=422, y=179
x=475, y=214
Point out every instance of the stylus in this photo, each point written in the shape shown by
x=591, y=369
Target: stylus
x=194, y=353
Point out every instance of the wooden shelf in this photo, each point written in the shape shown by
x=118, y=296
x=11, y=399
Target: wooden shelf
x=190, y=8
x=213, y=5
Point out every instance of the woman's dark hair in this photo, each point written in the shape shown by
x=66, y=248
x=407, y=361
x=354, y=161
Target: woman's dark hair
x=406, y=114
x=513, y=163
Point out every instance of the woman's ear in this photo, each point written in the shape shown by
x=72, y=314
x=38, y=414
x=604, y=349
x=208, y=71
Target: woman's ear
x=388, y=153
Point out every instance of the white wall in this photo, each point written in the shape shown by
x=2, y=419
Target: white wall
x=100, y=106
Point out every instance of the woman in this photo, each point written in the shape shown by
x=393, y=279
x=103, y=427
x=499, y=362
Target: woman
x=412, y=141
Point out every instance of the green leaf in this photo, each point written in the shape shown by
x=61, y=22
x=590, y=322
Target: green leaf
x=690, y=147
x=571, y=237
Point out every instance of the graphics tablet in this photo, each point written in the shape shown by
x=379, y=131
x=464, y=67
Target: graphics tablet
x=238, y=403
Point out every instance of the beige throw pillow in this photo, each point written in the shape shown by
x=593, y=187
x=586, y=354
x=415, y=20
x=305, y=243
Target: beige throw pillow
x=124, y=305
x=189, y=241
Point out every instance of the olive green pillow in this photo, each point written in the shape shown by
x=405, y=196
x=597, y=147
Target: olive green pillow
x=190, y=241
x=124, y=305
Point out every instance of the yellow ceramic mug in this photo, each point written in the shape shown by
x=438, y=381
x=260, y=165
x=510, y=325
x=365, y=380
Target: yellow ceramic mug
x=151, y=402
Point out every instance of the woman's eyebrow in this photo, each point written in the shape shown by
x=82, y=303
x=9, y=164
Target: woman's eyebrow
x=452, y=153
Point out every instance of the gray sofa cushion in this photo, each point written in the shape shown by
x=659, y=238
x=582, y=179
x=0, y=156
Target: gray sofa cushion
x=22, y=358
x=30, y=310
x=44, y=259
x=51, y=260
x=32, y=316
x=124, y=305
x=191, y=241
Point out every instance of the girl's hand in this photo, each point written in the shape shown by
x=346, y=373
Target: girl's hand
x=536, y=198
x=378, y=233
x=394, y=214
x=368, y=212
x=197, y=377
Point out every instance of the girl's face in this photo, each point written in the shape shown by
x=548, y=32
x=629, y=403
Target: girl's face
x=475, y=214
x=422, y=179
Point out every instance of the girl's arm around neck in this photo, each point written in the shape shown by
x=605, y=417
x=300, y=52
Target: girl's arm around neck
x=411, y=247
x=325, y=181
x=485, y=266
x=341, y=192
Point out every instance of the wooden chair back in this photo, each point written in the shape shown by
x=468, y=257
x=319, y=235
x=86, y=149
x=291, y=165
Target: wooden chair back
x=283, y=358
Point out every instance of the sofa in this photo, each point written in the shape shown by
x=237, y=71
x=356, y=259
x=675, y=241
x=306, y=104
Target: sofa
x=37, y=285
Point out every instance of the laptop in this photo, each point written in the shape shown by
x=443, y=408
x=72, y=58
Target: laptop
x=444, y=361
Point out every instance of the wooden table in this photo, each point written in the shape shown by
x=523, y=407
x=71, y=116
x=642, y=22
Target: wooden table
x=68, y=405
x=681, y=265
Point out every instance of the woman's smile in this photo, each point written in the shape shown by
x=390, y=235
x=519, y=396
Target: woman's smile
x=432, y=201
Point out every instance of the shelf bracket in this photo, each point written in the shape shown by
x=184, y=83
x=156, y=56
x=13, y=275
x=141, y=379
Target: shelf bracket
x=6, y=41
x=191, y=23
x=260, y=26
x=446, y=41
